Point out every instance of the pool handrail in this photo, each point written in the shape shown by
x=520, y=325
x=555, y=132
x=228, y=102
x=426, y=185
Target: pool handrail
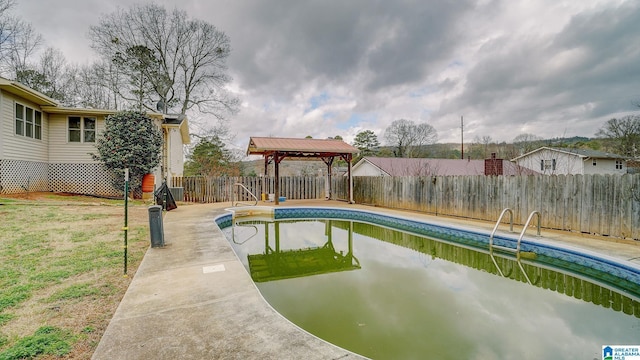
x=524, y=230
x=526, y=225
x=495, y=228
x=241, y=186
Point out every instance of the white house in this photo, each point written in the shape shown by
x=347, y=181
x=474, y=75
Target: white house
x=555, y=161
x=385, y=166
x=46, y=147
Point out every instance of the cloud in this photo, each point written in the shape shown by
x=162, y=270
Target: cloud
x=551, y=68
x=584, y=72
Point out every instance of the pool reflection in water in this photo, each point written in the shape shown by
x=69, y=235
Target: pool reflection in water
x=386, y=294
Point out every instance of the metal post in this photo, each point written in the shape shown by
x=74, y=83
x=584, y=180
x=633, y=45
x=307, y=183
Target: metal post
x=126, y=216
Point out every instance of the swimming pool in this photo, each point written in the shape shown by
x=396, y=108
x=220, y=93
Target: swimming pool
x=397, y=288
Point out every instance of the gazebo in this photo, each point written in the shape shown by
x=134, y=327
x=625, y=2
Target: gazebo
x=278, y=149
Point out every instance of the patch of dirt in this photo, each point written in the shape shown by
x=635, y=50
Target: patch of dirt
x=26, y=196
x=46, y=195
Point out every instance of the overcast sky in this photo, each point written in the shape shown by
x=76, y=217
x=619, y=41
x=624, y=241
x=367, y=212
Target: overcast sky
x=551, y=68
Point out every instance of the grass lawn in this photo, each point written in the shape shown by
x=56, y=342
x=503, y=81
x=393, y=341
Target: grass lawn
x=62, y=271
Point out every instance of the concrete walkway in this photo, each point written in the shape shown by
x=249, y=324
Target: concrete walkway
x=193, y=299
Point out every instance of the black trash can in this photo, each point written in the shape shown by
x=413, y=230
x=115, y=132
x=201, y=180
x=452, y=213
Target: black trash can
x=155, y=226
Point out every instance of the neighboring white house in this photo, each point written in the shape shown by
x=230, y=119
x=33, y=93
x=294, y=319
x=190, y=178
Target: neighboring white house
x=554, y=161
x=46, y=147
x=385, y=166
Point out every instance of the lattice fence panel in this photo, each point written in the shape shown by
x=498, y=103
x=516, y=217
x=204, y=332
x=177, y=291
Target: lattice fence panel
x=90, y=179
x=18, y=176
x=103, y=183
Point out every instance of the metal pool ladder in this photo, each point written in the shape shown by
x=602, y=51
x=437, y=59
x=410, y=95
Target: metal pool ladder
x=240, y=186
x=526, y=225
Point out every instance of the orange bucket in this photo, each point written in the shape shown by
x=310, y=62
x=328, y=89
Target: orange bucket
x=148, y=181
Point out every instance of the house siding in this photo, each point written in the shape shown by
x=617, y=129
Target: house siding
x=565, y=163
x=16, y=147
x=570, y=164
x=2, y=129
x=176, y=154
x=366, y=169
x=603, y=166
x=61, y=150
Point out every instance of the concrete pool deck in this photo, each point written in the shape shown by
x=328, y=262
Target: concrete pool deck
x=193, y=299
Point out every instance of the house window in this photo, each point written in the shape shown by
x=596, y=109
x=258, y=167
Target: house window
x=75, y=129
x=89, y=130
x=82, y=129
x=19, y=120
x=618, y=164
x=594, y=162
x=547, y=164
x=28, y=122
x=37, y=125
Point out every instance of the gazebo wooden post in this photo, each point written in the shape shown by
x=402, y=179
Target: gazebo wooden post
x=329, y=171
x=347, y=158
x=265, y=191
x=276, y=161
x=329, y=162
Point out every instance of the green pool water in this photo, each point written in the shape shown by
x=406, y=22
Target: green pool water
x=386, y=294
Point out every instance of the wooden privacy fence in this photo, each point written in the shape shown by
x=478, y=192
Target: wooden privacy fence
x=219, y=189
x=596, y=204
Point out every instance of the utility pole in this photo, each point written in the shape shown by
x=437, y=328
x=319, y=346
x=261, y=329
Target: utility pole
x=461, y=137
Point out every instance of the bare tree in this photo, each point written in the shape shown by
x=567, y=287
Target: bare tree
x=408, y=138
x=18, y=41
x=525, y=143
x=423, y=167
x=480, y=148
x=486, y=142
x=622, y=136
x=91, y=86
x=186, y=60
x=7, y=29
x=49, y=75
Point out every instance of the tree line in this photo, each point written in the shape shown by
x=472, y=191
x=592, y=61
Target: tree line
x=405, y=138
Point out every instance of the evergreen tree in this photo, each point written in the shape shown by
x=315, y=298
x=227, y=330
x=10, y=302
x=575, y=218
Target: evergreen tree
x=210, y=158
x=367, y=142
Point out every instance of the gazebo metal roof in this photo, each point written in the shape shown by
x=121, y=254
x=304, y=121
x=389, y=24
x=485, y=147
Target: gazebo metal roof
x=299, y=147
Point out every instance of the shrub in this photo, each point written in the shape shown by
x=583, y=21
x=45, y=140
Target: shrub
x=130, y=140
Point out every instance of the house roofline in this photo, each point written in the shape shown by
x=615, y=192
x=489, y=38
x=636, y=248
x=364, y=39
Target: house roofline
x=90, y=111
x=26, y=92
x=372, y=164
x=569, y=152
x=76, y=111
